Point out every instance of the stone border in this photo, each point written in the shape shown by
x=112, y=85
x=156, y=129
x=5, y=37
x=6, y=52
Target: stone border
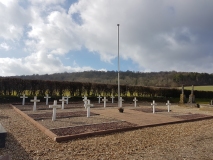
x=103, y=132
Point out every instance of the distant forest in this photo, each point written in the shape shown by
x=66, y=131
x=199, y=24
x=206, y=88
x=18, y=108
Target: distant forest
x=154, y=79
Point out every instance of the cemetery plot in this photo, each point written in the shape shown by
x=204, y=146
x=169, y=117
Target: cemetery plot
x=92, y=128
x=73, y=121
x=60, y=115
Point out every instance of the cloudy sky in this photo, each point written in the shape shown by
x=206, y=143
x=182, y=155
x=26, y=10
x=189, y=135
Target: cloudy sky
x=51, y=36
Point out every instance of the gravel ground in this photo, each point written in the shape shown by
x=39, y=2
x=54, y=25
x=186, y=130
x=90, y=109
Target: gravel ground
x=193, y=140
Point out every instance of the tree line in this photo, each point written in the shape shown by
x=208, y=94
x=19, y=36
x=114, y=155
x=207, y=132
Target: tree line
x=155, y=79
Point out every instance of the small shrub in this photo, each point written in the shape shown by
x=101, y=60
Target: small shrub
x=198, y=105
x=121, y=109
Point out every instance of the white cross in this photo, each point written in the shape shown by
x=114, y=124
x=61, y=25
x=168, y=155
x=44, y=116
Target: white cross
x=67, y=99
x=112, y=99
x=84, y=96
x=168, y=105
x=104, y=100
x=35, y=100
x=62, y=101
x=85, y=101
x=99, y=97
x=153, y=104
x=54, y=106
x=121, y=100
x=88, y=105
x=47, y=97
x=23, y=102
x=135, y=100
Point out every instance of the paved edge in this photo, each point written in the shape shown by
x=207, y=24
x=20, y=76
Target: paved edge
x=103, y=132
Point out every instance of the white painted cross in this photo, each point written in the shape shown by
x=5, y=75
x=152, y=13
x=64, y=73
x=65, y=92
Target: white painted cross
x=23, y=101
x=62, y=102
x=104, y=100
x=135, y=100
x=88, y=105
x=99, y=98
x=54, y=106
x=67, y=99
x=35, y=100
x=121, y=100
x=112, y=99
x=168, y=105
x=153, y=104
x=84, y=96
x=47, y=97
x=85, y=101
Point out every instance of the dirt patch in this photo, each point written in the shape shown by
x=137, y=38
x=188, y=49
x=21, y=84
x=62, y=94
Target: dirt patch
x=61, y=115
x=92, y=128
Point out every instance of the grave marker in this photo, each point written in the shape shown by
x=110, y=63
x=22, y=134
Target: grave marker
x=99, y=97
x=47, y=97
x=54, y=106
x=192, y=96
x=104, y=100
x=153, y=104
x=87, y=106
x=168, y=105
x=121, y=100
x=35, y=100
x=182, y=96
x=135, y=100
x=112, y=99
x=62, y=102
x=23, y=101
x=67, y=99
x=85, y=101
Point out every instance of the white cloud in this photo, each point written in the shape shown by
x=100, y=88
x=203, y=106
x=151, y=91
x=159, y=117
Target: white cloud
x=37, y=63
x=5, y=46
x=155, y=35
x=46, y=2
x=13, y=19
x=160, y=35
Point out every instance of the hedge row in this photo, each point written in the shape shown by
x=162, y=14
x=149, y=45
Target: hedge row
x=16, y=87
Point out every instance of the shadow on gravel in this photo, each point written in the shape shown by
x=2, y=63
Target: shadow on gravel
x=13, y=149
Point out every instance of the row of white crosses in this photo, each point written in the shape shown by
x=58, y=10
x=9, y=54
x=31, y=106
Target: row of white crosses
x=99, y=98
x=153, y=104
x=65, y=98
x=105, y=100
x=121, y=100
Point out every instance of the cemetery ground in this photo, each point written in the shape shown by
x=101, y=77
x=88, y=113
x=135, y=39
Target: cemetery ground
x=148, y=136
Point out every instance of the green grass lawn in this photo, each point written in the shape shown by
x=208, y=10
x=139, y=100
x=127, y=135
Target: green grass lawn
x=199, y=88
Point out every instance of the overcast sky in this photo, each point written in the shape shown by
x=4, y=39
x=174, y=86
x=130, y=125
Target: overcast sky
x=51, y=36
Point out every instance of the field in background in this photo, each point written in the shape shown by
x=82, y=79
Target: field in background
x=199, y=88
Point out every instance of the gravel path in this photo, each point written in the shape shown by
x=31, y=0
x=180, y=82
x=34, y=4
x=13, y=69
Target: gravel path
x=193, y=140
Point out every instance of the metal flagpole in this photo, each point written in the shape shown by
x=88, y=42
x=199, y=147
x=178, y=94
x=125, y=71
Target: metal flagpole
x=118, y=70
